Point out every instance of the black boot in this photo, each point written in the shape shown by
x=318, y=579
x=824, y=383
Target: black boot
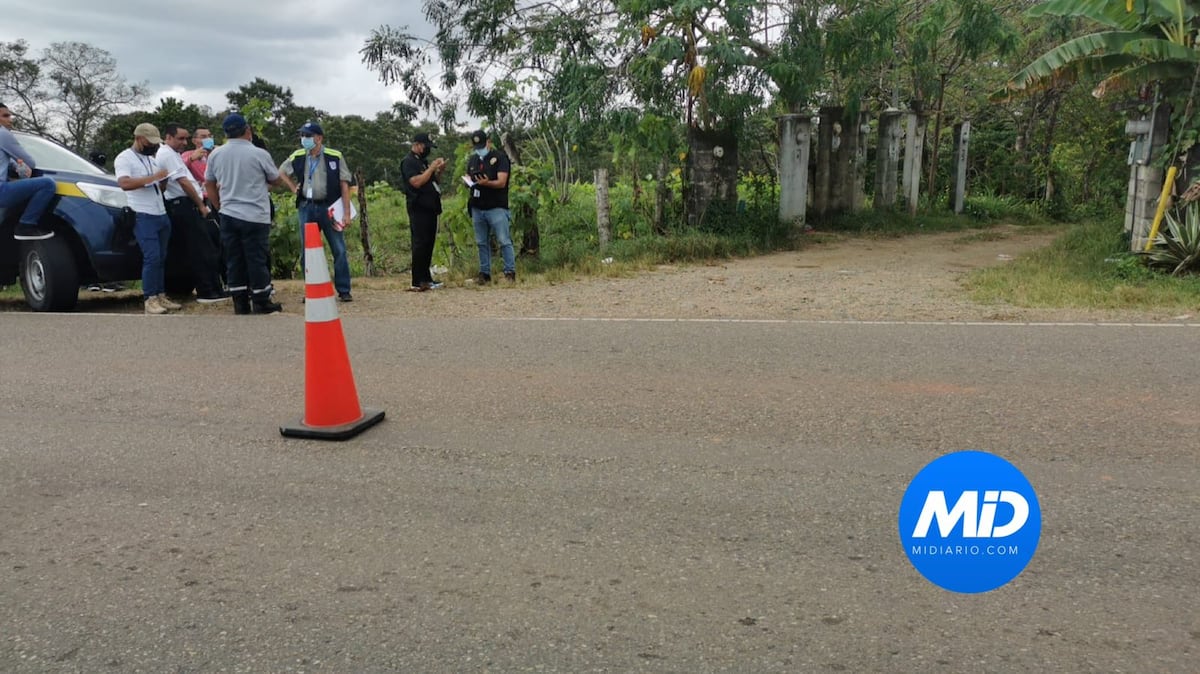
x=241, y=303
x=264, y=305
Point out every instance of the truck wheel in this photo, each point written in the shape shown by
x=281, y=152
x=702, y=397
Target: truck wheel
x=49, y=276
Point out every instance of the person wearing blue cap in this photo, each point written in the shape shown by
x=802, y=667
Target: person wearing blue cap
x=320, y=178
x=237, y=179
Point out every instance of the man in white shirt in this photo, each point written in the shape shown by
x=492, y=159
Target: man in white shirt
x=139, y=176
x=190, y=245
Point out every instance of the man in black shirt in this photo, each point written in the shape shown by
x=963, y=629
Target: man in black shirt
x=424, y=201
x=488, y=171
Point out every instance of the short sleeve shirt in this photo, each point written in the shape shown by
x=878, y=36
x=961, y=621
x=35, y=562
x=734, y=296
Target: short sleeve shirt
x=171, y=161
x=427, y=197
x=242, y=173
x=491, y=165
x=146, y=199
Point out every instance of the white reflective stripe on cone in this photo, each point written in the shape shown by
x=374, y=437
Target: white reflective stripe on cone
x=314, y=263
x=320, y=310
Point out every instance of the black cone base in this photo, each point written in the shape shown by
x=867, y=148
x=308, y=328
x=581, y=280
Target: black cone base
x=343, y=432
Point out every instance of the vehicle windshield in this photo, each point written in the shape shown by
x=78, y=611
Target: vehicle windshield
x=51, y=156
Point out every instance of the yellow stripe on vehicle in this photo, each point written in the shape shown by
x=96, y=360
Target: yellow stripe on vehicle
x=68, y=190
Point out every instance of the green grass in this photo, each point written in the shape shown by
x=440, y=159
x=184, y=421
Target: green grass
x=1087, y=267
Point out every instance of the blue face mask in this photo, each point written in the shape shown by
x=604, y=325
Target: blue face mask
x=482, y=152
x=208, y=143
x=308, y=143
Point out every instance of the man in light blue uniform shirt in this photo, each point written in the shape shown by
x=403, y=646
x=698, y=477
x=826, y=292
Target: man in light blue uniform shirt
x=34, y=194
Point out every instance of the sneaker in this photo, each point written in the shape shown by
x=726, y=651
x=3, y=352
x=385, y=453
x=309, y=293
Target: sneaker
x=32, y=233
x=345, y=297
x=212, y=297
x=95, y=287
x=167, y=303
x=154, y=307
x=417, y=289
x=112, y=287
x=510, y=276
x=431, y=285
x=482, y=279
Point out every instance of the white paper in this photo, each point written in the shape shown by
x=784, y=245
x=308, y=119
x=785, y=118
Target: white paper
x=335, y=211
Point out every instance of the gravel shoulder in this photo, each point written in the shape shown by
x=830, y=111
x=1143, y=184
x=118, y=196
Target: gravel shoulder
x=916, y=278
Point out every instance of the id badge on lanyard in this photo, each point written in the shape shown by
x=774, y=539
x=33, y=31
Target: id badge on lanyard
x=308, y=184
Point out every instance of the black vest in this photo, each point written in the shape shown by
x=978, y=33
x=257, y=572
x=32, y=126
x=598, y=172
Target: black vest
x=333, y=174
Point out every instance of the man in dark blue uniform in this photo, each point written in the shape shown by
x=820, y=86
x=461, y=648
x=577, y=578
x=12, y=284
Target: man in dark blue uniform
x=488, y=169
x=424, y=197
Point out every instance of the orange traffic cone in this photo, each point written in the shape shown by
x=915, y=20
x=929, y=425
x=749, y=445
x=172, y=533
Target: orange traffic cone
x=331, y=408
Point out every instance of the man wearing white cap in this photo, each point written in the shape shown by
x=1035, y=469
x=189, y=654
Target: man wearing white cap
x=139, y=176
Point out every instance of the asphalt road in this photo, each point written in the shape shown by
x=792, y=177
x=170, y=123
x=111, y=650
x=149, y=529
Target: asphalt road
x=583, y=496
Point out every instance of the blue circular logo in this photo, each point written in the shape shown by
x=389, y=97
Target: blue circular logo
x=970, y=522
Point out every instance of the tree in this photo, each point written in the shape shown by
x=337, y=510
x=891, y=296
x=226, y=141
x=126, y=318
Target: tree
x=22, y=85
x=1148, y=41
x=271, y=109
x=116, y=133
x=87, y=90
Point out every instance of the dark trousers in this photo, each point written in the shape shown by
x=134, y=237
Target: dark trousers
x=246, y=262
x=202, y=245
x=423, y=227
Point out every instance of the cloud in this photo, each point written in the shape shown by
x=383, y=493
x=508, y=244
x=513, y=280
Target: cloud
x=197, y=51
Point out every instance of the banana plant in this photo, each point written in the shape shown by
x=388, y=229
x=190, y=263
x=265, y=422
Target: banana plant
x=1145, y=41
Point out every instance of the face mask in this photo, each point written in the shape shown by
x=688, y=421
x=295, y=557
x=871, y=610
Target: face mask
x=308, y=142
x=150, y=149
x=207, y=143
x=482, y=152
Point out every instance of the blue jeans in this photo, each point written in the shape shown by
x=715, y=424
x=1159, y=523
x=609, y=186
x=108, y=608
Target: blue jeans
x=493, y=221
x=35, y=193
x=310, y=212
x=152, y=233
x=247, y=247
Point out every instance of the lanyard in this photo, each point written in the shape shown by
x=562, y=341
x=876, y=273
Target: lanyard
x=149, y=166
x=313, y=164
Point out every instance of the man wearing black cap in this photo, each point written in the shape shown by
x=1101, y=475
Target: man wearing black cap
x=321, y=178
x=236, y=180
x=424, y=198
x=488, y=170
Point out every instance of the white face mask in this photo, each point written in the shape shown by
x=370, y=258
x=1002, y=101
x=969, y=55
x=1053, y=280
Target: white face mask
x=308, y=142
x=482, y=152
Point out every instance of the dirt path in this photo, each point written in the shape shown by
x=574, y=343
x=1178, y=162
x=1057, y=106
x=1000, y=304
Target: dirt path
x=909, y=278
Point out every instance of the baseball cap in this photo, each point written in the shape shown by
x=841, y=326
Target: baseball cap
x=479, y=139
x=149, y=132
x=234, y=125
x=424, y=138
x=312, y=129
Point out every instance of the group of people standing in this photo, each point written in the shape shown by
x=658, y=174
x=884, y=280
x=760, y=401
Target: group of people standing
x=172, y=194
x=216, y=202
x=487, y=178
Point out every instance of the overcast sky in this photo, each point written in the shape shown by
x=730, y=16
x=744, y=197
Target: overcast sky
x=198, y=50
